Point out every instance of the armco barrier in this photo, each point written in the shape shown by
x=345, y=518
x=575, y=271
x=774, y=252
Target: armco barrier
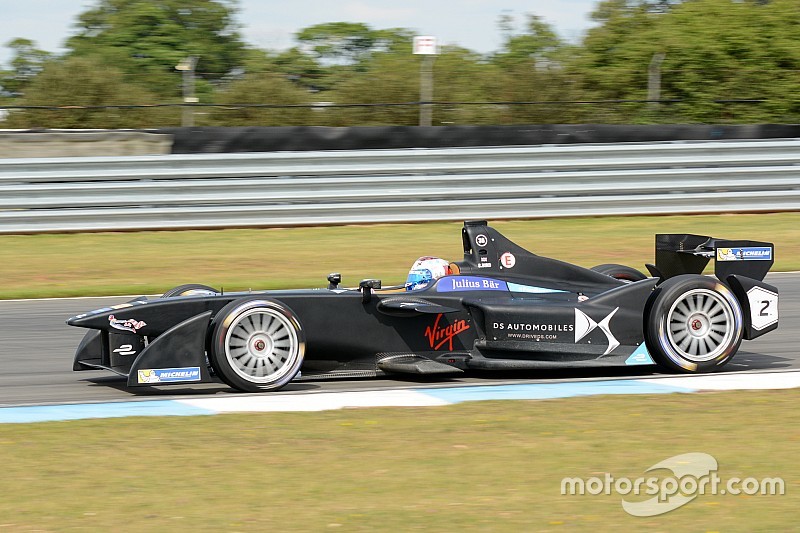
x=301, y=188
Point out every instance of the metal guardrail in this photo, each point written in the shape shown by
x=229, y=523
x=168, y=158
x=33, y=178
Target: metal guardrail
x=305, y=188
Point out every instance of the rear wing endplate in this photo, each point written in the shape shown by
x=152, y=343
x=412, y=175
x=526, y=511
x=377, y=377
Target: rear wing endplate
x=689, y=254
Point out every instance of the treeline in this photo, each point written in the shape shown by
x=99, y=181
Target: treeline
x=645, y=61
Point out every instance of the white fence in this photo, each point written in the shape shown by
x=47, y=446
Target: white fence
x=304, y=188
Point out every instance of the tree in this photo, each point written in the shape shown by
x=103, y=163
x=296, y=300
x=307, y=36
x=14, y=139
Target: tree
x=147, y=39
x=459, y=76
x=350, y=43
x=538, y=43
x=328, y=54
x=748, y=52
x=27, y=61
x=80, y=82
x=303, y=69
x=262, y=88
x=533, y=67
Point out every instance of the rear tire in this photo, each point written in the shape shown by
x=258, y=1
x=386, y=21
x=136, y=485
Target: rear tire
x=257, y=345
x=694, y=324
x=620, y=272
x=191, y=289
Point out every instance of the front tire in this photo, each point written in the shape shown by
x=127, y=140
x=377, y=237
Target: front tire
x=257, y=345
x=191, y=289
x=694, y=324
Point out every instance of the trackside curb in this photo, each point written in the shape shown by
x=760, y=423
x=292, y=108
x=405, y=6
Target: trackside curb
x=417, y=397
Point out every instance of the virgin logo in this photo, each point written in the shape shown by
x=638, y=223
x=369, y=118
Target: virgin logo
x=439, y=336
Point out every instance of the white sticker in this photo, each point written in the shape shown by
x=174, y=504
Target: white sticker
x=763, y=307
x=508, y=260
x=481, y=240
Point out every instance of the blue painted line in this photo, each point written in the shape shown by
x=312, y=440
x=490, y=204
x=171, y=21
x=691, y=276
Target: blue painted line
x=531, y=391
x=50, y=413
x=544, y=391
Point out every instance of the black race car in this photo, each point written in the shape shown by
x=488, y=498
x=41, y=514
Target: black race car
x=500, y=308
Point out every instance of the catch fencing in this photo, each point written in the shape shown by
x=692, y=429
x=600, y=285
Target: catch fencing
x=407, y=185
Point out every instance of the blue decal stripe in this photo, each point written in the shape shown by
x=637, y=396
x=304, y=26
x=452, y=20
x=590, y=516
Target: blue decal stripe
x=514, y=287
x=49, y=413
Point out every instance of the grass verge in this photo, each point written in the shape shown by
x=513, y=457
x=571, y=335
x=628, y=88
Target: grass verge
x=494, y=466
x=152, y=262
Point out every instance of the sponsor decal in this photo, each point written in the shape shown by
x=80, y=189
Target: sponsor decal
x=470, y=283
x=439, y=336
x=508, y=260
x=129, y=324
x=481, y=240
x=582, y=327
x=519, y=326
x=534, y=332
x=169, y=375
x=752, y=253
x=125, y=349
x=640, y=356
x=585, y=325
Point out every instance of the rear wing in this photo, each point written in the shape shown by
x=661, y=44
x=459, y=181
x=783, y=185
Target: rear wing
x=689, y=254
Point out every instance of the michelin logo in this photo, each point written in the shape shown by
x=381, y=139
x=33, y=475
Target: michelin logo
x=169, y=375
x=753, y=253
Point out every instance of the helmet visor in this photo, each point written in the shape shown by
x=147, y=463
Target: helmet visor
x=418, y=278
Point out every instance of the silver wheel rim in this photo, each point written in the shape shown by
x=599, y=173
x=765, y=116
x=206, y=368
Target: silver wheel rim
x=261, y=345
x=700, y=325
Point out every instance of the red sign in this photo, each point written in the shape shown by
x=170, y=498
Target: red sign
x=439, y=336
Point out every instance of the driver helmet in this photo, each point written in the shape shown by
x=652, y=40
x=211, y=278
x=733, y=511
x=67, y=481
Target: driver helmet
x=425, y=270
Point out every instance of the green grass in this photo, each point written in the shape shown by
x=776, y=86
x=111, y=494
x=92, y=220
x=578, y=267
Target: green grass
x=489, y=466
x=152, y=262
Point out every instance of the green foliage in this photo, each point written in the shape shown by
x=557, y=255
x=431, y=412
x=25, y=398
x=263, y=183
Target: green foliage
x=534, y=66
x=303, y=69
x=345, y=42
x=330, y=54
x=713, y=51
x=459, y=76
x=539, y=43
x=391, y=78
x=261, y=88
x=147, y=39
x=351, y=43
x=27, y=61
x=82, y=81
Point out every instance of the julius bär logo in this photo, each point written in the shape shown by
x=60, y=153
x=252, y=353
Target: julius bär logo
x=439, y=336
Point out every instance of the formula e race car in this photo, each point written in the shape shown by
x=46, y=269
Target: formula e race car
x=500, y=308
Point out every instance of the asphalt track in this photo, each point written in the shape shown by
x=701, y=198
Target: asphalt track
x=36, y=350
